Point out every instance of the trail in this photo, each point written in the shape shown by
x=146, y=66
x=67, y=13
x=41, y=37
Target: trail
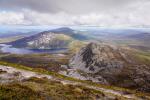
x=20, y=74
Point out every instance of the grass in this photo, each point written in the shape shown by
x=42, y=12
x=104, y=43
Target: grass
x=17, y=92
x=49, y=62
x=143, y=57
x=127, y=42
x=10, y=39
x=42, y=89
x=76, y=45
x=64, y=37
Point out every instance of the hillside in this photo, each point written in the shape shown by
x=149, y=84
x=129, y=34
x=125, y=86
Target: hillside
x=21, y=82
x=52, y=39
x=143, y=38
x=140, y=36
x=70, y=32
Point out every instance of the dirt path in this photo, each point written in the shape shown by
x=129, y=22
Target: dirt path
x=10, y=74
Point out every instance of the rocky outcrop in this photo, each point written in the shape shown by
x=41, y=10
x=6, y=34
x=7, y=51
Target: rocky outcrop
x=114, y=65
x=97, y=57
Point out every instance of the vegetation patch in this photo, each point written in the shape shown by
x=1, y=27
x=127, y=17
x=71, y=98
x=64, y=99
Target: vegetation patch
x=41, y=89
x=143, y=57
x=48, y=62
x=18, y=92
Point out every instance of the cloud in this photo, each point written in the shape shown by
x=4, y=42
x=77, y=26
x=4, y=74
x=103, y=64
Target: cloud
x=68, y=6
x=11, y=18
x=107, y=13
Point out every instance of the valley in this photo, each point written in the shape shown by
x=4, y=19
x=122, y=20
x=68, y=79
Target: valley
x=104, y=67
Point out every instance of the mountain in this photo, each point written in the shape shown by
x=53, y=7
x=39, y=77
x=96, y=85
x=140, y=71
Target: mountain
x=139, y=41
x=96, y=57
x=109, y=64
x=141, y=37
x=57, y=38
x=72, y=33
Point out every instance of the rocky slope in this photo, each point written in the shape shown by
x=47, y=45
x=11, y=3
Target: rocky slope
x=109, y=64
x=97, y=57
x=25, y=84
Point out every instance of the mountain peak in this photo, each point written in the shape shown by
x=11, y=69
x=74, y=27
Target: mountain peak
x=96, y=57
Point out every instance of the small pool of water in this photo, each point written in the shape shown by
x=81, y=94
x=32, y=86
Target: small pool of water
x=9, y=49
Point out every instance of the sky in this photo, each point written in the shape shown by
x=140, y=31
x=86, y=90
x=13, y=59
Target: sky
x=104, y=13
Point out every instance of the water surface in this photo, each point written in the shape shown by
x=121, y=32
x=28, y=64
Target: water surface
x=9, y=49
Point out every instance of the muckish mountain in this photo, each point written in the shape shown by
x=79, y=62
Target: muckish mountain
x=109, y=64
x=52, y=39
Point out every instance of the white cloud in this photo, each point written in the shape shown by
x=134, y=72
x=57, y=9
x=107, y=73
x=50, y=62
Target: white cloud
x=11, y=18
x=136, y=14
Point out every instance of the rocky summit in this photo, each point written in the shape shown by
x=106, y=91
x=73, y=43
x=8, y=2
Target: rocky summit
x=109, y=64
x=96, y=57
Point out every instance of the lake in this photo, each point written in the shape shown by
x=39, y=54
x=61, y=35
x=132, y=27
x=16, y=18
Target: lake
x=9, y=49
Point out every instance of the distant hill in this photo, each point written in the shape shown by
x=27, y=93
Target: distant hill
x=10, y=34
x=140, y=36
x=68, y=31
x=52, y=39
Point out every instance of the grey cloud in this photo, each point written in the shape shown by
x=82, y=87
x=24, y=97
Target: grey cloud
x=69, y=6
